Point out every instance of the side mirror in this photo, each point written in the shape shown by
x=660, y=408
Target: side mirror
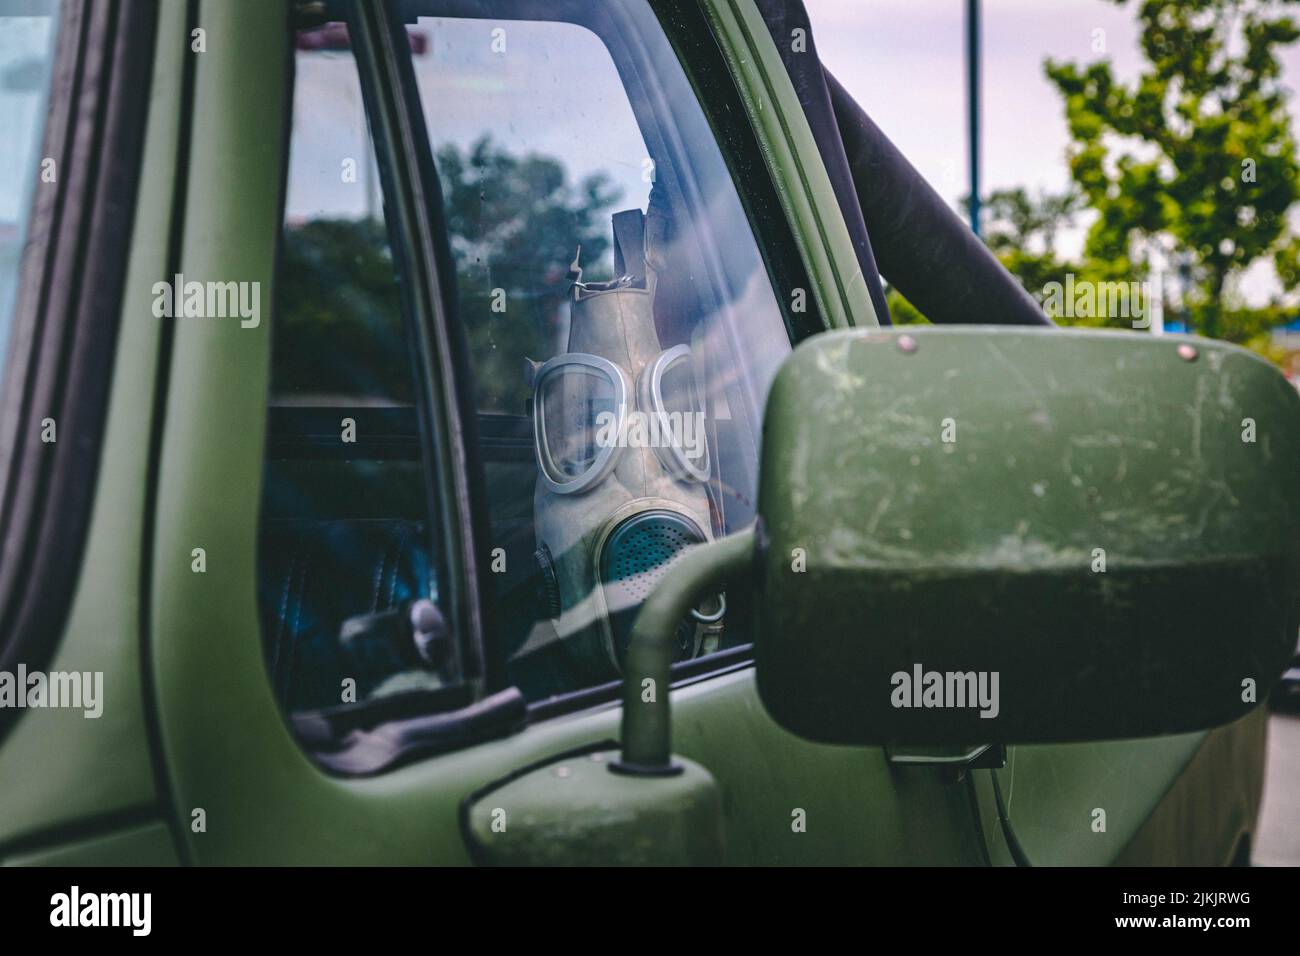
x=995, y=534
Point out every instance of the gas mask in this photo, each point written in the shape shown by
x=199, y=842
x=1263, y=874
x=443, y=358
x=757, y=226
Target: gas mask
x=623, y=460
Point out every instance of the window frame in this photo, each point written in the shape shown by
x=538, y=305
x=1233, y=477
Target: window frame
x=422, y=257
x=446, y=398
x=61, y=348
x=692, y=39
x=445, y=429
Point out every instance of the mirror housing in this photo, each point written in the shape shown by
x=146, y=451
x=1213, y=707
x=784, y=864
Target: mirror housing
x=1014, y=535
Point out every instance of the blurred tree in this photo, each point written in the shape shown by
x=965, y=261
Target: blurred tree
x=514, y=223
x=1195, y=160
x=1022, y=230
x=901, y=311
x=337, y=330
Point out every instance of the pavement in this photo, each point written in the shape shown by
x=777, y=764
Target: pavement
x=1278, y=840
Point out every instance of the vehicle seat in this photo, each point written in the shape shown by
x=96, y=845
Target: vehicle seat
x=313, y=575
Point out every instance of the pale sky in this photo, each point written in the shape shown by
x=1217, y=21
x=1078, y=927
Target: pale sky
x=557, y=77
x=904, y=62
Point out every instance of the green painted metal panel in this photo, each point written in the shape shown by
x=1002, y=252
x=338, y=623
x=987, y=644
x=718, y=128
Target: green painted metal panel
x=1180, y=800
x=148, y=844
x=579, y=811
x=793, y=160
x=89, y=767
x=1052, y=793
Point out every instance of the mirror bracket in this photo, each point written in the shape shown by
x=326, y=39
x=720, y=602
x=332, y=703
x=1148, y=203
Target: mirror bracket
x=977, y=757
x=701, y=570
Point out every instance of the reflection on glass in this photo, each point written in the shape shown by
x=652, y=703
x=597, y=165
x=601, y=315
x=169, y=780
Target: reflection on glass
x=27, y=32
x=576, y=401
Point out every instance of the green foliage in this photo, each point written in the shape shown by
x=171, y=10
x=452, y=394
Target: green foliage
x=514, y=223
x=1022, y=230
x=902, y=312
x=1195, y=160
x=1196, y=157
x=337, y=329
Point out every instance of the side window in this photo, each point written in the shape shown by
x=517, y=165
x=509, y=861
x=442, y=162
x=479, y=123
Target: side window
x=344, y=545
x=622, y=327
x=26, y=56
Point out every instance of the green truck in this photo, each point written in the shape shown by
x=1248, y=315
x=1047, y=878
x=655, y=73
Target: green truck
x=471, y=431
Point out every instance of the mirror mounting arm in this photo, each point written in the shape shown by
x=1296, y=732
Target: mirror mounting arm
x=701, y=570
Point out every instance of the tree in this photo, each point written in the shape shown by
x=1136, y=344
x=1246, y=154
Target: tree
x=513, y=222
x=337, y=330
x=1022, y=231
x=1195, y=160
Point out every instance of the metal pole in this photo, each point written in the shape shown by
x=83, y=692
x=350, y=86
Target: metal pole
x=973, y=106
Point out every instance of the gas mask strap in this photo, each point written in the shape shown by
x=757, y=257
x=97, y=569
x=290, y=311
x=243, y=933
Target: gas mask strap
x=701, y=367
x=574, y=275
x=629, y=246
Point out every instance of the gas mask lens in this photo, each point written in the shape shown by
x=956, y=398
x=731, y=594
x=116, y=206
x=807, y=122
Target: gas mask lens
x=582, y=418
x=580, y=399
x=669, y=391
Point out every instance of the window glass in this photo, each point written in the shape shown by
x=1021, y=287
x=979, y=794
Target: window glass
x=621, y=324
x=27, y=32
x=344, y=538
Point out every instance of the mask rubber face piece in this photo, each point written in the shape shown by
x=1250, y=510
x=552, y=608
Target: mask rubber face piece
x=572, y=393
x=612, y=506
x=668, y=390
